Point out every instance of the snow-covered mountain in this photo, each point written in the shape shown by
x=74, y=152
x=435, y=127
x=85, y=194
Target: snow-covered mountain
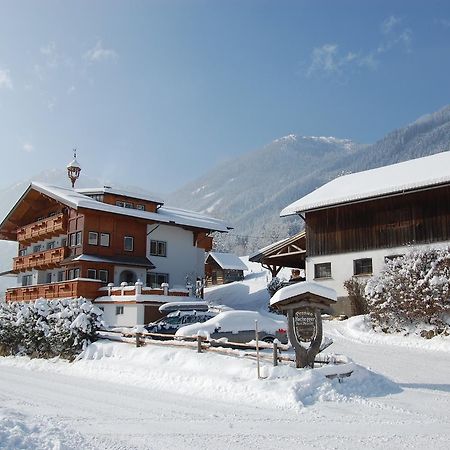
x=250, y=191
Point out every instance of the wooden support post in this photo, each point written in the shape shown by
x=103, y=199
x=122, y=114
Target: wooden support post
x=257, y=349
x=138, y=340
x=275, y=353
x=199, y=343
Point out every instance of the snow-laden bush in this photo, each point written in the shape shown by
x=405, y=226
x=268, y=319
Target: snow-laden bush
x=273, y=286
x=47, y=328
x=412, y=293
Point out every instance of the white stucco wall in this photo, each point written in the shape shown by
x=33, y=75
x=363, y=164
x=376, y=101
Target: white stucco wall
x=183, y=258
x=342, y=264
x=140, y=272
x=129, y=318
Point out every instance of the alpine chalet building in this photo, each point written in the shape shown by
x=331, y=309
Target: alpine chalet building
x=126, y=251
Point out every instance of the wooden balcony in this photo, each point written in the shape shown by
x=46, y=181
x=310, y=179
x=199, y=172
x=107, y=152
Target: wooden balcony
x=41, y=260
x=205, y=242
x=65, y=289
x=43, y=229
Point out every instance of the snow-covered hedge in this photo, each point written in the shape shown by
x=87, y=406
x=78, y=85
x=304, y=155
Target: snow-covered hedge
x=412, y=293
x=48, y=328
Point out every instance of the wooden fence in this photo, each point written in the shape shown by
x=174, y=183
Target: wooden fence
x=203, y=344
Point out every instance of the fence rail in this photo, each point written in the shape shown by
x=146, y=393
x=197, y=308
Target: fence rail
x=203, y=344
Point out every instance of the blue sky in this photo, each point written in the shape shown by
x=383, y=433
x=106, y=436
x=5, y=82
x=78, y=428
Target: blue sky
x=155, y=93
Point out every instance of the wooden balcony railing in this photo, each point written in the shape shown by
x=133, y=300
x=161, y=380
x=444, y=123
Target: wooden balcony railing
x=41, y=260
x=66, y=289
x=43, y=229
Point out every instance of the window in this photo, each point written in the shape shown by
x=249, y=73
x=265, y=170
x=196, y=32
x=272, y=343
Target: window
x=104, y=239
x=27, y=280
x=37, y=248
x=92, y=273
x=98, y=197
x=51, y=245
x=22, y=252
x=140, y=207
x=103, y=275
x=93, y=238
x=128, y=243
x=119, y=310
x=74, y=273
x=129, y=205
x=362, y=266
x=158, y=248
x=61, y=275
x=322, y=270
x=119, y=203
x=48, y=278
x=155, y=280
x=76, y=239
x=63, y=242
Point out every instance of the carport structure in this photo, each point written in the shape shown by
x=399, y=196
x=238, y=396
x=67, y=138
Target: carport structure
x=289, y=252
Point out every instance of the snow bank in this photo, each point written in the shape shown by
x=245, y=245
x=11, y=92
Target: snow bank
x=18, y=431
x=359, y=329
x=214, y=377
x=250, y=293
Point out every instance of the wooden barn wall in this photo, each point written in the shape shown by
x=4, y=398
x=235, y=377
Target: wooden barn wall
x=412, y=218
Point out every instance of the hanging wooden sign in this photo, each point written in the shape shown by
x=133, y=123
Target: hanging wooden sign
x=305, y=325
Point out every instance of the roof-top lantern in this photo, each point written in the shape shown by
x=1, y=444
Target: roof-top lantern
x=73, y=169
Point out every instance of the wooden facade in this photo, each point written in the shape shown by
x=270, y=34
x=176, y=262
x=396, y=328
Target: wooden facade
x=65, y=289
x=42, y=229
x=215, y=274
x=420, y=217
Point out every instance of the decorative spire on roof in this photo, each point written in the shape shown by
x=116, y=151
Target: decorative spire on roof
x=73, y=169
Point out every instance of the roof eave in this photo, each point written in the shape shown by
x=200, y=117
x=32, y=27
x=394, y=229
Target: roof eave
x=286, y=212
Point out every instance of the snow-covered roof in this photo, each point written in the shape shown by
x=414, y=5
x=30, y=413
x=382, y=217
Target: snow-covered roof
x=76, y=200
x=74, y=163
x=141, y=261
x=228, y=261
x=405, y=176
x=300, y=288
x=109, y=190
x=273, y=248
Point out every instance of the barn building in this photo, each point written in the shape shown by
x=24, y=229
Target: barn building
x=356, y=222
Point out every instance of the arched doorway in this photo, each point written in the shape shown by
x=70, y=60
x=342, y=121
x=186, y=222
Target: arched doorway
x=128, y=276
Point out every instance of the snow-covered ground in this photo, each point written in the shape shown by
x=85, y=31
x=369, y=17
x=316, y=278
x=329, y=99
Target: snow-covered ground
x=120, y=397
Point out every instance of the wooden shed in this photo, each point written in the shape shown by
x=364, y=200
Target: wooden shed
x=222, y=268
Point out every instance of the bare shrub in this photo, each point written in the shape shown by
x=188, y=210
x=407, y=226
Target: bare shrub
x=355, y=289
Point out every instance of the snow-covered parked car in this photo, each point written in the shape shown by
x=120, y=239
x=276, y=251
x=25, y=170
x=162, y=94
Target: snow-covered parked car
x=239, y=326
x=173, y=321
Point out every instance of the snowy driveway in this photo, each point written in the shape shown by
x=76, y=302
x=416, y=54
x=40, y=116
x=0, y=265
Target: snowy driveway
x=89, y=404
